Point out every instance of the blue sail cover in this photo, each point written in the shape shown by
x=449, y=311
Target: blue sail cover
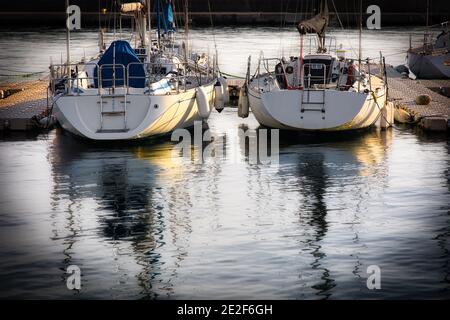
x=124, y=55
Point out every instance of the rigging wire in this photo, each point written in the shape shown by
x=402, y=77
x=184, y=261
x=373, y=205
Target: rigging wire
x=342, y=27
x=214, y=35
x=296, y=12
x=23, y=75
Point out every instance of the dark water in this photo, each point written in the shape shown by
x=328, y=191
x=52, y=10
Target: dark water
x=143, y=223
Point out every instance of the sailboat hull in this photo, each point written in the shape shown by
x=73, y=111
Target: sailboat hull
x=429, y=66
x=128, y=116
x=316, y=110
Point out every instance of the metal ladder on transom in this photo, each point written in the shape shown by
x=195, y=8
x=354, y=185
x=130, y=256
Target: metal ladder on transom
x=113, y=105
x=306, y=100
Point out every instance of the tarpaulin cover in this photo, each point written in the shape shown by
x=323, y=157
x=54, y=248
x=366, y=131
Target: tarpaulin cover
x=117, y=55
x=316, y=24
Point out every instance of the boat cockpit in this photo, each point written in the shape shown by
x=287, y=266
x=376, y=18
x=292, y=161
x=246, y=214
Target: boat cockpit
x=316, y=71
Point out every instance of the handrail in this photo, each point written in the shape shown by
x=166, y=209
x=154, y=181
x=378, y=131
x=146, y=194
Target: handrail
x=58, y=73
x=74, y=80
x=309, y=77
x=357, y=76
x=114, y=79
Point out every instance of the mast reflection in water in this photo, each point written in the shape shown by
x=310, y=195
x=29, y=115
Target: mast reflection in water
x=141, y=223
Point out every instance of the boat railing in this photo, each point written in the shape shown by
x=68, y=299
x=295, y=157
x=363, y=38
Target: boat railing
x=276, y=67
x=301, y=78
x=118, y=80
x=309, y=79
x=333, y=45
x=178, y=76
x=270, y=72
x=75, y=78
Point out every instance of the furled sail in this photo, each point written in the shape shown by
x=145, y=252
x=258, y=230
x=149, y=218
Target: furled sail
x=165, y=16
x=132, y=8
x=317, y=24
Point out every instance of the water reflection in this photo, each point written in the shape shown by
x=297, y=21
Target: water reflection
x=129, y=204
x=318, y=162
x=174, y=218
x=144, y=194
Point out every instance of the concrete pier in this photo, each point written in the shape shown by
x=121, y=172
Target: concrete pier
x=18, y=110
x=404, y=91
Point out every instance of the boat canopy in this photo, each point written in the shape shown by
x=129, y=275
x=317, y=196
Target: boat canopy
x=115, y=63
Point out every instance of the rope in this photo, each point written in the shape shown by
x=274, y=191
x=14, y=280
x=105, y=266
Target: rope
x=232, y=75
x=342, y=27
x=22, y=75
x=387, y=121
x=213, y=33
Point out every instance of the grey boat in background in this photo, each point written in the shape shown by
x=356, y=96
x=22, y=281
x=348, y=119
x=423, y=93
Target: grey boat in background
x=432, y=60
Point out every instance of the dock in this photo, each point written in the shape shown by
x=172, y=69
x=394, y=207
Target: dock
x=19, y=111
x=403, y=92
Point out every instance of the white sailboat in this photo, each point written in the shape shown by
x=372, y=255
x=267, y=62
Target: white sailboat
x=314, y=92
x=432, y=59
x=130, y=93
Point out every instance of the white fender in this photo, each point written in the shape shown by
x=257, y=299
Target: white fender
x=225, y=93
x=202, y=103
x=243, y=105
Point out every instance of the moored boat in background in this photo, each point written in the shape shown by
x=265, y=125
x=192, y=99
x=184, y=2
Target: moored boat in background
x=432, y=59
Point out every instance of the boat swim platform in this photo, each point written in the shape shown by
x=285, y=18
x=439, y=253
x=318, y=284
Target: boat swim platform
x=18, y=110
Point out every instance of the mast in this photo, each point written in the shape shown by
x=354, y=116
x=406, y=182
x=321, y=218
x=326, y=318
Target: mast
x=360, y=40
x=115, y=17
x=323, y=9
x=149, y=14
x=426, y=36
x=158, y=3
x=186, y=27
x=67, y=38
